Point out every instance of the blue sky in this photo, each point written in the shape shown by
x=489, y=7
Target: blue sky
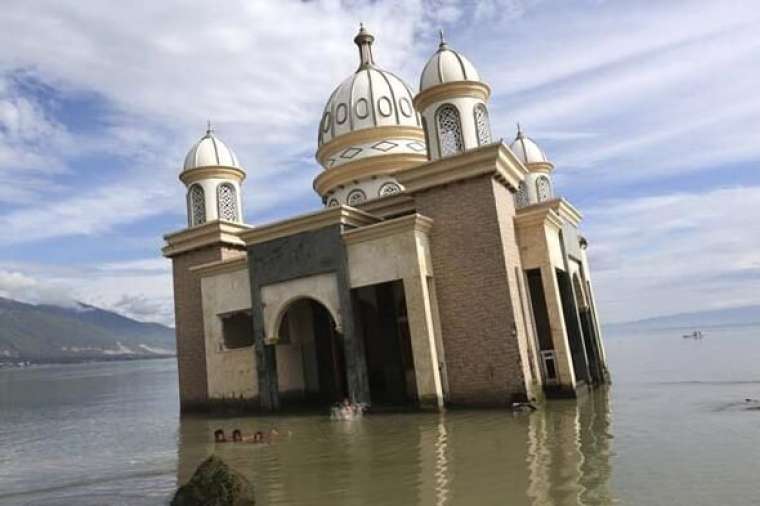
x=649, y=110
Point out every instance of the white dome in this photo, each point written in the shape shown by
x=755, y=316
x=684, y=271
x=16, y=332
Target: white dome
x=527, y=150
x=447, y=66
x=210, y=151
x=371, y=97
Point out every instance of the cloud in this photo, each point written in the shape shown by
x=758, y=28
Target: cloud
x=676, y=252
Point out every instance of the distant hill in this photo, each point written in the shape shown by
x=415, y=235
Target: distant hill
x=743, y=315
x=44, y=333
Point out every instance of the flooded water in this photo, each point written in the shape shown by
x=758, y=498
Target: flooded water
x=673, y=429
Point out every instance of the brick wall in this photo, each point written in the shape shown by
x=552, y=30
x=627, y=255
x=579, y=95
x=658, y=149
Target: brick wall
x=188, y=313
x=483, y=358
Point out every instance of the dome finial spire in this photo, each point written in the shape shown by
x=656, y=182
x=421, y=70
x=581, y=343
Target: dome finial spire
x=209, y=128
x=520, y=134
x=364, y=40
x=442, y=44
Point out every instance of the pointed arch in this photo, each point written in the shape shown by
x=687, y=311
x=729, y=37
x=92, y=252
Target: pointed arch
x=521, y=197
x=482, y=124
x=196, y=205
x=449, y=124
x=226, y=200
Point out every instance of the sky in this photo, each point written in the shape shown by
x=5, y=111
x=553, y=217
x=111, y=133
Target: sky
x=650, y=112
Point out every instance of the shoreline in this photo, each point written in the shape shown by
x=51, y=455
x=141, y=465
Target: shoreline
x=26, y=362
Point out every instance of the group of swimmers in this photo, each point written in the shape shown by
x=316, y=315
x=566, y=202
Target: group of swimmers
x=347, y=410
x=258, y=437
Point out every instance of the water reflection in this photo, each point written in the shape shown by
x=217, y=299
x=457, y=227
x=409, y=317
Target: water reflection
x=558, y=455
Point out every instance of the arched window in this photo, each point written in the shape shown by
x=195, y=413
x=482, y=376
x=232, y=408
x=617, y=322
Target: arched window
x=482, y=125
x=521, y=197
x=196, y=203
x=388, y=189
x=449, y=130
x=543, y=188
x=227, y=202
x=356, y=197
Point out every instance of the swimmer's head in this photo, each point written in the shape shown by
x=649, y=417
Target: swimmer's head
x=219, y=436
x=258, y=437
x=237, y=436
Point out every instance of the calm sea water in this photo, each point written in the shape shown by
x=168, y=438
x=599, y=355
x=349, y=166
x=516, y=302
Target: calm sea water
x=674, y=429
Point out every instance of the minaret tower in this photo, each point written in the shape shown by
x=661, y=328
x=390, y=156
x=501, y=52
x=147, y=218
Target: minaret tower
x=212, y=175
x=537, y=185
x=452, y=103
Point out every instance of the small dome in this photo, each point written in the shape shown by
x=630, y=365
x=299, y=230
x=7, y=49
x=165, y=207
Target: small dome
x=371, y=97
x=527, y=150
x=210, y=151
x=447, y=66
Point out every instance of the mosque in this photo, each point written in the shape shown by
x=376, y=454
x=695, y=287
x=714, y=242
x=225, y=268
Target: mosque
x=443, y=270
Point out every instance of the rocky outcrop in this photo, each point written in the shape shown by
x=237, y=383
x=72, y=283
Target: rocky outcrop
x=214, y=483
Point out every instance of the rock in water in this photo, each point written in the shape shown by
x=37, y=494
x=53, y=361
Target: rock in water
x=214, y=483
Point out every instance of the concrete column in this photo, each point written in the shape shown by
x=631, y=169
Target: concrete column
x=422, y=330
x=557, y=323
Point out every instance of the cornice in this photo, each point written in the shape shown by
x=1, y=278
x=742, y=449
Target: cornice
x=392, y=205
x=567, y=211
x=339, y=215
x=411, y=223
x=190, y=176
x=541, y=167
x=363, y=136
x=441, y=92
x=208, y=234
x=222, y=266
x=495, y=159
x=537, y=215
x=390, y=163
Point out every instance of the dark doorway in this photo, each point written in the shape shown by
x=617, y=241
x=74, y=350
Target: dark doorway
x=387, y=343
x=311, y=363
x=573, y=327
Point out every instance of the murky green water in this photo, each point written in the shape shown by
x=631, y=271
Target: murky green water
x=673, y=430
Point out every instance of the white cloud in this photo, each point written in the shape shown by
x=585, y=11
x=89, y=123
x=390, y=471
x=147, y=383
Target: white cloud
x=675, y=253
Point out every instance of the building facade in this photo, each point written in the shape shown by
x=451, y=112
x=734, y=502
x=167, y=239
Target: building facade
x=443, y=269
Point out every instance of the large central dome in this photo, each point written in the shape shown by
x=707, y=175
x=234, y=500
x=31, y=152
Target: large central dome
x=369, y=130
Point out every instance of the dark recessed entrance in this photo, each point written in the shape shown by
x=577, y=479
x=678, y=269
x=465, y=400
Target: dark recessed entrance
x=311, y=363
x=387, y=343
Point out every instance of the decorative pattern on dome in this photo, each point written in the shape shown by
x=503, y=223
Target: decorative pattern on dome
x=446, y=66
x=369, y=98
x=388, y=189
x=227, y=202
x=356, y=197
x=449, y=130
x=482, y=125
x=197, y=204
x=210, y=151
x=543, y=188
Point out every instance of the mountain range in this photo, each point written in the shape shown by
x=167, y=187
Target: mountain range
x=740, y=315
x=46, y=333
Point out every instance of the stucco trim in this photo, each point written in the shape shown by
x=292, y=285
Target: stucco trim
x=366, y=135
x=220, y=172
x=563, y=209
x=445, y=91
x=339, y=215
x=207, y=234
x=387, y=164
x=540, y=167
x=532, y=216
x=415, y=222
x=495, y=159
x=397, y=204
x=222, y=266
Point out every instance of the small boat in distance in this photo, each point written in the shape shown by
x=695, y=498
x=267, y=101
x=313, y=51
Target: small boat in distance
x=697, y=334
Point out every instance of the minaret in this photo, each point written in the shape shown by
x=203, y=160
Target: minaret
x=213, y=176
x=537, y=185
x=452, y=102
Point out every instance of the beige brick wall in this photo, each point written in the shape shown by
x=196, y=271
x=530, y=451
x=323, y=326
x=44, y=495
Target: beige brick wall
x=484, y=361
x=188, y=313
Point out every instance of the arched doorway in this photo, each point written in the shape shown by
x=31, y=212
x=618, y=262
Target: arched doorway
x=311, y=363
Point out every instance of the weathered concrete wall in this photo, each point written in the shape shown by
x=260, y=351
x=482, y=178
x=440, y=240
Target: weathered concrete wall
x=231, y=373
x=188, y=312
x=304, y=255
x=483, y=358
x=404, y=254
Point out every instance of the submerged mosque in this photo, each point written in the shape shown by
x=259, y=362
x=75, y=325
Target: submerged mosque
x=443, y=269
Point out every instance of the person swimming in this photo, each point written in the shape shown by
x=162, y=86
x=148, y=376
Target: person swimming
x=219, y=436
x=237, y=436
